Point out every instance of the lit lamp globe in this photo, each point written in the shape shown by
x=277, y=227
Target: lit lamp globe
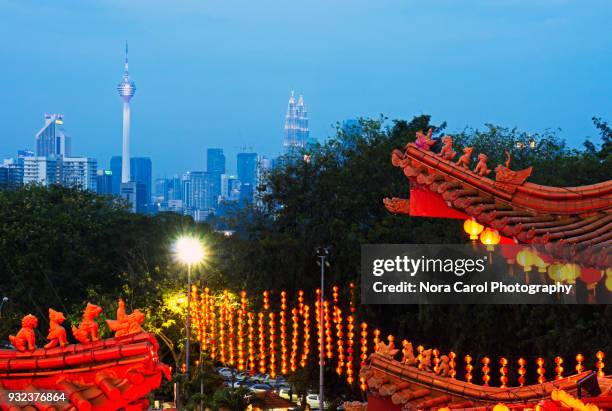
x=189, y=251
x=471, y=227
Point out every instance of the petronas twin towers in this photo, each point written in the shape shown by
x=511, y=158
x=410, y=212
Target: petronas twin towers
x=296, y=124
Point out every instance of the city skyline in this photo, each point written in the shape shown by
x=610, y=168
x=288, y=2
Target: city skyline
x=551, y=72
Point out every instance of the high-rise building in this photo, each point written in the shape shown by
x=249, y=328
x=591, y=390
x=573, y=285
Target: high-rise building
x=115, y=166
x=142, y=172
x=51, y=140
x=246, y=165
x=12, y=169
x=80, y=172
x=45, y=171
x=175, y=189
x=160, y=193
x=296, y=124
x=215, y=167
x=196, y=189
x=104, y=182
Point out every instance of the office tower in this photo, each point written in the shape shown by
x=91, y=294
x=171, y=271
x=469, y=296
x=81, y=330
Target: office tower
x=104, y=182
x=162, y=187
x=126, y=90
x=246, y=165
x=142, y=172
x=115, y=167
x=80, y=172
x=296, y=124
x=175, y=189
x=196, y=189
x=134, y=193
x=51, y=140
x=45, y=171
x=215, y=167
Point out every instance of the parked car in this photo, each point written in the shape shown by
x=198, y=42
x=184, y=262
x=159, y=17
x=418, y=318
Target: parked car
x=284, y=393
x=312, y=400
x=260, y=387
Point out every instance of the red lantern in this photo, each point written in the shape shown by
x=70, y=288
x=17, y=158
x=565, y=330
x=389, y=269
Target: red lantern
x=590, y=275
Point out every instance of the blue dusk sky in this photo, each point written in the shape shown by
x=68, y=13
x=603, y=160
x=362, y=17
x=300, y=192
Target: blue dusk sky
x=219, y=73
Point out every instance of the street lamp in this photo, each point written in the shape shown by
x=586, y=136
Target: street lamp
x=189, y=251
x=322, y=254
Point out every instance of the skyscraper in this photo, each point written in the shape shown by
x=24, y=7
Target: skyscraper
x=126, y=90
x=142, y=172
x=51, y=140
x=105, y=182
x=296, y=124
x=115, y=166
x=215, y=167
x=247, y=173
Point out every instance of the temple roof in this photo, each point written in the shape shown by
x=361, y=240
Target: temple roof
x=558, y=217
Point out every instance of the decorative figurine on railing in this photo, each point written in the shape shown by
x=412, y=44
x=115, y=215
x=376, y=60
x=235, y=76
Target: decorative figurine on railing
x=424, y=141
x=481, y=168
x=25, y=340
x=126, y=324
x=447, y=151
x=88, y=328
x=57, y=333
x=408, y=353
x=466, y=157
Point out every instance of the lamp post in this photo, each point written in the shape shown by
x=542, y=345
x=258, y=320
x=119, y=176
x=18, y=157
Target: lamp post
x=189, y=251
x=322, y=254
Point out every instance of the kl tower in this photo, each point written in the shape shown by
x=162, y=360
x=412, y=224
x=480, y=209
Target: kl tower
x=127, y=89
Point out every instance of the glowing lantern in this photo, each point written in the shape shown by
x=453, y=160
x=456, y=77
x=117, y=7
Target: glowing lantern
x=328, y=331
x=503, y=372
x=420, y=350
x=452, y=364
x=541, y=370
x=579, y=366
x=468, y=368
x=266, y=300
x=318, y=322
x=230, y=335
x=526, y=259
x=541, y=261
x=283, y=330
x=571, y=272
x=222, y=330
x=590, y=275
x=301, y=302
x=251, y=343
x=490, y=238
x=485, y=371
x=559, y=368
x=364, y=354
x=555, y=272
x=521, y=371
x=472, y=228
x=600, y=364
x=436, y=360
x=306, y=350
x=335, y=294
x=213, y=329
x=271, y=332
x=240, y=326
x=349, y=360
x=262, y=343
x=294, y=339
x=339, y=336
x=376, y=339
x=609, y=283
